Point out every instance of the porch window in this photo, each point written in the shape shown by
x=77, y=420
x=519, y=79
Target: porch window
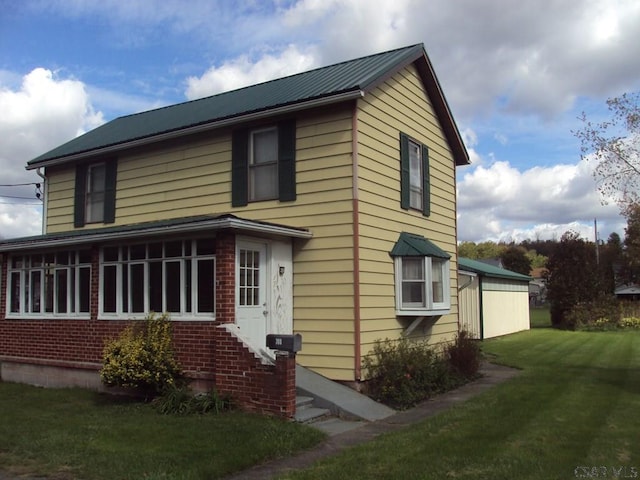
x=50, y=284
x=175, y=276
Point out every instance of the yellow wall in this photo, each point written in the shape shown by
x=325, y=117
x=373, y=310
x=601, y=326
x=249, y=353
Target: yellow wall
x=192, y=176
x=400, y=105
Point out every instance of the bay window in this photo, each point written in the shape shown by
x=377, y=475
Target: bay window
x=422, y=277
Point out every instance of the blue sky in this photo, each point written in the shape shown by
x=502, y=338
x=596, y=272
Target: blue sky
x=516, y=75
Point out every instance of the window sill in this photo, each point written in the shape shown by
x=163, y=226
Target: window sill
x=47, y=317
x=422, y=312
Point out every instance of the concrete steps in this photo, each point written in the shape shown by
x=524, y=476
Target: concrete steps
x=306, y=412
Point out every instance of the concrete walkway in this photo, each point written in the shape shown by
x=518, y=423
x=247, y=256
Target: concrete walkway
x=364, y=432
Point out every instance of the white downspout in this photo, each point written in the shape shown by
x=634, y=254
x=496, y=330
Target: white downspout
x=45, y=197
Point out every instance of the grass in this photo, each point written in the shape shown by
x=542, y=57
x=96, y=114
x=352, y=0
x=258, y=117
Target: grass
x=539, y=317
x=573, y=408
x=73, y=434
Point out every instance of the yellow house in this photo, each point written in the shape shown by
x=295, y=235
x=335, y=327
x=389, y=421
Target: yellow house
x=322, y=203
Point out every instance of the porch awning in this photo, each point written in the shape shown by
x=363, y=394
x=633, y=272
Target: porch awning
x=202, y=223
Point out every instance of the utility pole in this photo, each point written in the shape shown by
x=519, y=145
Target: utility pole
x=595, y=229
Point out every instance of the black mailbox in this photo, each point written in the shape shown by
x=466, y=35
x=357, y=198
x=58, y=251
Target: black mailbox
x=285, y=343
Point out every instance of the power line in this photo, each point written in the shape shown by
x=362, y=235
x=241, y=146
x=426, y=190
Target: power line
x=19, y=198
x=20, y=184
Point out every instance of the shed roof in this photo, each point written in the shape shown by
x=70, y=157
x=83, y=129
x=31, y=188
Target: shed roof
x=335, y=83
x=486, y=270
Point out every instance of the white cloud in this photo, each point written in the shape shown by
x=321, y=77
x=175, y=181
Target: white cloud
x=20, y=220
x=242, y=71
x=501, y=203
x=40, y=114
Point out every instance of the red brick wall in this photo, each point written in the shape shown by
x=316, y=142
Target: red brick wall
x=82, y=341
x=225, y=277
x=256, y=387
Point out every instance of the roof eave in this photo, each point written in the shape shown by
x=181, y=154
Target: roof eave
x=441, y=106
x=224, y=223
x=281, y=110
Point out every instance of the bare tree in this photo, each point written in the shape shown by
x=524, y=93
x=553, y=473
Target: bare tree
x=614, y=146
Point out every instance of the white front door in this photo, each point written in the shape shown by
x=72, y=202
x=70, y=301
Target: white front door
x=252, y=310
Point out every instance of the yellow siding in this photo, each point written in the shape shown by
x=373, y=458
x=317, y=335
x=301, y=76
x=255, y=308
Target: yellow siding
x=400, y=105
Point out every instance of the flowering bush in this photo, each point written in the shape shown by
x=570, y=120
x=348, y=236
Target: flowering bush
x=141, y=357
x=630, y=322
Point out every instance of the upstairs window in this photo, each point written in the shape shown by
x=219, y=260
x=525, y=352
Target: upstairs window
x=414, y=177
x=422, y=277
x=95, y=193
x=264, y=164
x=94, y=198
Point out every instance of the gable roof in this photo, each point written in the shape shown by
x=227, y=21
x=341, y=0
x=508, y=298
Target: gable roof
x=486, y=270
x=335, y=83
x=412, y=245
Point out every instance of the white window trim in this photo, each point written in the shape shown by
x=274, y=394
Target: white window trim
x=431, y=308
x=98, y=216
x=253, y=166
x=183, y=315
x=24, y=274
x=412, y=188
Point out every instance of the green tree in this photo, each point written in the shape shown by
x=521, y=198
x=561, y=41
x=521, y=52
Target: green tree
x=514, y=258
x=614, y=146
x=631, y=251
x=572, y=277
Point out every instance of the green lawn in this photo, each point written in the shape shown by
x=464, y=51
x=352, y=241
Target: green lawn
x=574, y=408
x=78, y=434
x=539, y=317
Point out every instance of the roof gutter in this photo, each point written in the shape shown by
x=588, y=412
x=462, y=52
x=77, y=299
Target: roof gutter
x=215, y=224
x=286, y=109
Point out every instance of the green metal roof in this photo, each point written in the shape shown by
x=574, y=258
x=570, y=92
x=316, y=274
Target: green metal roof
x=336, y=82
x=412, y=245
x=487, y=270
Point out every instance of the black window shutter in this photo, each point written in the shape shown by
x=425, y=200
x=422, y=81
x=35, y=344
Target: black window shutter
x=239, y=167
x=287, y=160
x=111, y=171
x=80, y=195
x=405, y=178
x=426, y=182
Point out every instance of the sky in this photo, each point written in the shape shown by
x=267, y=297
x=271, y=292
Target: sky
x=516, y=74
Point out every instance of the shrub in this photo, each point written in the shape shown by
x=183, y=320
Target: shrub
x=180, y=400
x=403, y=373
x=464, y=356
x=142, y=357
